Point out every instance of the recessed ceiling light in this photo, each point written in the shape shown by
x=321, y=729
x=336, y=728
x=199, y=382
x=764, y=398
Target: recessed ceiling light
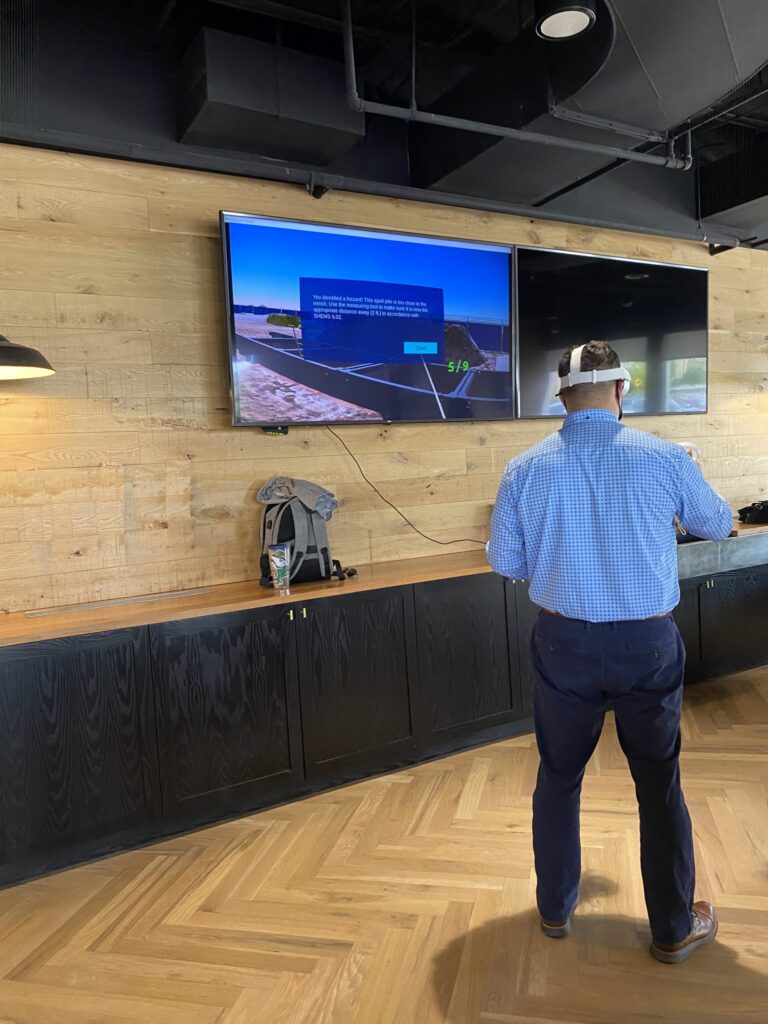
x=558, y=19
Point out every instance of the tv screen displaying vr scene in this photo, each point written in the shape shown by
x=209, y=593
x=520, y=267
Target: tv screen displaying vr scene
x=654, y=316
x=338, y=325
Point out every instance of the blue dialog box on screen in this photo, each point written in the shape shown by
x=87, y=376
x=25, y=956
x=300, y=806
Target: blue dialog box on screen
x=349, y=322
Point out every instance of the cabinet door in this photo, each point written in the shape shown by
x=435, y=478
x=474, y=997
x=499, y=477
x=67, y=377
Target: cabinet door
x=687, y=619
x=356, y=670
x=734, y=620
x=228, y=713
x=526, y=613
x=468, y=668
x=76, y=741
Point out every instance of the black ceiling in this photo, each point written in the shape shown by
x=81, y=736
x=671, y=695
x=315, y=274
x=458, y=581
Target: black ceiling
x=153, y=80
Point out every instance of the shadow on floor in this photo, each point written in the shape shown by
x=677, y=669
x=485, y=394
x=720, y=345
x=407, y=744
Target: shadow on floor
x=712, y=691
x=508, y=971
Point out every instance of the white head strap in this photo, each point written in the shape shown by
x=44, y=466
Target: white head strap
x=578, y=376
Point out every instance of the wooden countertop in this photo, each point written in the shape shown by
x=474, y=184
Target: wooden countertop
x=30, y=627
x=26, y=627
x=744, y=529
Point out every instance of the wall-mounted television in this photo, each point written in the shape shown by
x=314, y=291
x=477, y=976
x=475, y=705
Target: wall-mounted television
x=654, y=315
x=341, y=325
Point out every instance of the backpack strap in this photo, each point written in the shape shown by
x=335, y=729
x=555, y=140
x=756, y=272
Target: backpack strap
x=301, y=538
x=268, y=533
x=321, y=540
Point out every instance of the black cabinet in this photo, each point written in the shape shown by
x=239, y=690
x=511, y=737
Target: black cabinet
x=526, y=613
x=734, y=620
x=112, y=739
x=357, y=676
x=228, y=721
x=469, y=677
x=77, y=748
x=687, y=618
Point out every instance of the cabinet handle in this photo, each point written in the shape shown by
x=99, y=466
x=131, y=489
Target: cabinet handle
x=303, y=613
x=290, y=615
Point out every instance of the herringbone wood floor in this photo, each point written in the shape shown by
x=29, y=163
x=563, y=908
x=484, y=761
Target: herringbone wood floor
x=409, y=899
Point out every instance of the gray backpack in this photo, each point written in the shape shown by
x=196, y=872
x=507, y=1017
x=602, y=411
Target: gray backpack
x=291, y=521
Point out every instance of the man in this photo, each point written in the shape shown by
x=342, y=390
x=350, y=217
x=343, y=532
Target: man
x=587, y=516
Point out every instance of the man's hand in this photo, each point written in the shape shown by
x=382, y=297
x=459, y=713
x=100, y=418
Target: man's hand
x=694, y=453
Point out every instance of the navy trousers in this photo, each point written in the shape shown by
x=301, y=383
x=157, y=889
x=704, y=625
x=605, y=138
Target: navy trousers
x=583, y=669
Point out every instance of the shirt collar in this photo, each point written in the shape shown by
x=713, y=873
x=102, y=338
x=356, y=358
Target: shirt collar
x=585, y=415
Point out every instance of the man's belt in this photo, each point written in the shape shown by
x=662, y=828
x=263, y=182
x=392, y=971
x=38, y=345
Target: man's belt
x=650, y=618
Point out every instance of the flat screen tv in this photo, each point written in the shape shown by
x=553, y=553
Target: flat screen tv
x=340, y=325
x=655, y=316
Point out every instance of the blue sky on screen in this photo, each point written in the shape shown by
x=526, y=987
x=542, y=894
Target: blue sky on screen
x=268, y=260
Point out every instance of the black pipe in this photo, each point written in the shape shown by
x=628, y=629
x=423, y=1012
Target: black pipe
x=497, y=130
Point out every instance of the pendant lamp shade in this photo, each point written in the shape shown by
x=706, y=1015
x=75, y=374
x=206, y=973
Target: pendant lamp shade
x=17, y=362
x=561, y=19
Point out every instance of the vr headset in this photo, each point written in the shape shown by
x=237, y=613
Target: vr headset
x=578, y=376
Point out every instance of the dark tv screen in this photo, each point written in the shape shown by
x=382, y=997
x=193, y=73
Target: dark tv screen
x=340, y=325
x=654, y=316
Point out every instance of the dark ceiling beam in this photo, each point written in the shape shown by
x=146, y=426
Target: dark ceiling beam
x=459, y=37
x=757, y=124
x=756, y=90
x=286, y=12
x=736, y=179
x=578, y=183
x=571, y=186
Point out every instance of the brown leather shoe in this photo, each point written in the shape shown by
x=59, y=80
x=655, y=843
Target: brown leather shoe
x=558, y=930
x=703, y=932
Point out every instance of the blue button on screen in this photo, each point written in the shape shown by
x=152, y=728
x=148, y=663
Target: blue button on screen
x=420, y=348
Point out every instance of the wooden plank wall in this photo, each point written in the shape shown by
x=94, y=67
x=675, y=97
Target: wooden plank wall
x=121, y=475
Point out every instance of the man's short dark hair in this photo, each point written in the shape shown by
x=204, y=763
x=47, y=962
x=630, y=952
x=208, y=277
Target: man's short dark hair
x=597, y=355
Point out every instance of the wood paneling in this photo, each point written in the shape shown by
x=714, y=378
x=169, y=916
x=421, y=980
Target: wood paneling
x=113, y=269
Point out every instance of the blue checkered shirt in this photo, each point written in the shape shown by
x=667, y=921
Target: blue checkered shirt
x=587, y=515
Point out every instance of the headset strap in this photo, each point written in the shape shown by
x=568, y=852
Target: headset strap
x=578, y=376
x=593, y=376
x=575, y=364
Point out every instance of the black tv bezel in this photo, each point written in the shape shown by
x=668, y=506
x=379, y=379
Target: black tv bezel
x=274, y=424
x=514, y=325
x=619, y=259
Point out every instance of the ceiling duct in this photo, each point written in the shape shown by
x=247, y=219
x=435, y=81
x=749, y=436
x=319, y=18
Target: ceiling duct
x=515, y=90
x=234, y=92
x=486, y=109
